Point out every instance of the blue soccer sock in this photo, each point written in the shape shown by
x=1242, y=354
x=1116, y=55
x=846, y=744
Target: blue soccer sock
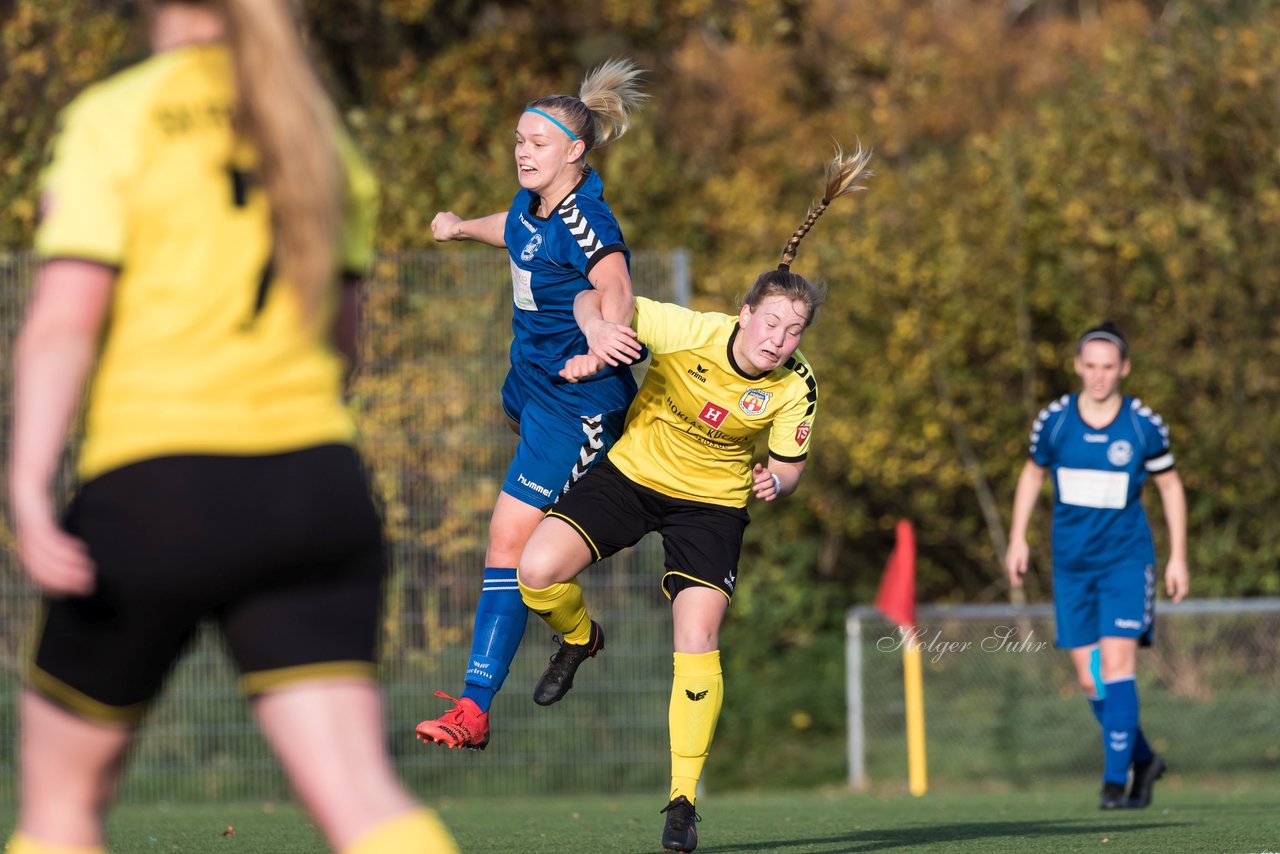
x=1119, y=728
x=500, y=619
x=1098, y=704
x=1142, y=751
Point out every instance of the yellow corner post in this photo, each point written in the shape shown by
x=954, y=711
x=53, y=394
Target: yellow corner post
x=913, y=690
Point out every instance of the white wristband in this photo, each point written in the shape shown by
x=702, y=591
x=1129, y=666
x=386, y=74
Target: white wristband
x=777, y=484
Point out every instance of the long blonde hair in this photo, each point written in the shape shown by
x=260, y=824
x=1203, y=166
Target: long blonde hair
x=602, y=111
x=283, y=110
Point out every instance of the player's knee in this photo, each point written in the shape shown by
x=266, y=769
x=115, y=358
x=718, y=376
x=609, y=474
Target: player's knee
x=1120, y=670
x=696, y=640
x=504, y=549
x=535, y=572
x=1117, y=663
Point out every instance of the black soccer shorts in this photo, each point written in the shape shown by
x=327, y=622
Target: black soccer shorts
x=701, y=542
x=283, y=551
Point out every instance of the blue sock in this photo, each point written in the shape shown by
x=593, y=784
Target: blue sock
x=1142, y=751
x=1119, y=728
x=1098, y=704
x=500, y=619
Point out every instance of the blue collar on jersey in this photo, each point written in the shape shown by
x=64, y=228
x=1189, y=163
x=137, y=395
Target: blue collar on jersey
x=573, y=136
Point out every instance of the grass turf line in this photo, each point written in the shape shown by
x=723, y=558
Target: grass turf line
x=1226, y=817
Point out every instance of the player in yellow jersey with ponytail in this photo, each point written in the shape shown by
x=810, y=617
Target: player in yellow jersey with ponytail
x=205, y=223
x=684, y=467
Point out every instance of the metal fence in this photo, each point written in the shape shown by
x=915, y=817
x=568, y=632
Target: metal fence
x=1003, y=704
x=435, y=337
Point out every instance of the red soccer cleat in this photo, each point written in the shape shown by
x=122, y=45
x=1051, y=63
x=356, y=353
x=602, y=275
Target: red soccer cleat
x=462, y=726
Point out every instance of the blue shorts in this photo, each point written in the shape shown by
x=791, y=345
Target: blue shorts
x=1115, y=601
x=564, y=430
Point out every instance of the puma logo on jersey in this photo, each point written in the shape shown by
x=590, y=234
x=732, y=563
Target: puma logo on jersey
x=695, y=697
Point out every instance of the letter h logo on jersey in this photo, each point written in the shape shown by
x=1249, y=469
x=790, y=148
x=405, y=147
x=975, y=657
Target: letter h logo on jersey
x=712, y=414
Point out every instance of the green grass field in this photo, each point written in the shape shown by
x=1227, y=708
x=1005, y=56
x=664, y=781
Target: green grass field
x=1226, y=816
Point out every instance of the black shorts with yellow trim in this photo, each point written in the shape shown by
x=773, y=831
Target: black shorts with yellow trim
x=701, y=542
x=284, y=552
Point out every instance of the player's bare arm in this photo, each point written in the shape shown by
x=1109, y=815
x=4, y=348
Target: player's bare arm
x=446, y=225
x=776, y=481
x=612, y=342
x=55, y=351
x=1173, y=498
x=612, y=339
x=1024, y=502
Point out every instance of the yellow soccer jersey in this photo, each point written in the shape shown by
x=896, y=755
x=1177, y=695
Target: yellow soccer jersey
x=204, y=351
x=692, y=427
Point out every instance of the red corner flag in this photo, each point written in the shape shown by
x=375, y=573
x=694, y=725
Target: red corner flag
x=896, y=598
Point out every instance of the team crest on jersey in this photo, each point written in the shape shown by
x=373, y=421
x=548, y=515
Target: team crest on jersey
x=713, y=414
x=802, y=433
x=531, y=248
x=753, y=401
x=1119, y=453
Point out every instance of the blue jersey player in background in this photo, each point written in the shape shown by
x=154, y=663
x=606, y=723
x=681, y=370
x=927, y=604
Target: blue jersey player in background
x=1100, y=446
x=562, y=239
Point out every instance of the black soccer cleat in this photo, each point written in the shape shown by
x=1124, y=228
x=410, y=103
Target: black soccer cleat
x=1113, y=797
x=680, y=832
x=558, y=678
x=1145, y=775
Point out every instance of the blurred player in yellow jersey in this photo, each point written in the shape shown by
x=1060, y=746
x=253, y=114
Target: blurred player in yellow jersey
x=683, y=467
x=205, y=224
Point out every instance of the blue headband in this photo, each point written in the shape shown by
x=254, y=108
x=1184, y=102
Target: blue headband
x=554, y=121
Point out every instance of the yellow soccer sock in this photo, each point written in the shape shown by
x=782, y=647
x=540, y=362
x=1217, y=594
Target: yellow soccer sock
x=562, y=607
x=416, y=832
x=21, y=844
x=697, y=693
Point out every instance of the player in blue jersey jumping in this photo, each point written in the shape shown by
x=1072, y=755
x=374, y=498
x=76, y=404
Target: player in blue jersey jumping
x=563, y=239
x=1100, y=446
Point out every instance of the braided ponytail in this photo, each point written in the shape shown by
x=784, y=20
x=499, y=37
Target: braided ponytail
x=843, y=174
x=842, y=179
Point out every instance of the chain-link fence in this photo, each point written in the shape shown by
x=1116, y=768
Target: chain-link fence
x=435, y=337
x=1002, y=702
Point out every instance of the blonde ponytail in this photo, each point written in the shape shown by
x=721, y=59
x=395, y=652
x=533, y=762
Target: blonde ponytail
x=602, y=111
x=611, y=92
x=282, y=109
